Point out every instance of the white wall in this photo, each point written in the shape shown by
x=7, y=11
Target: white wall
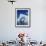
x=8, y=31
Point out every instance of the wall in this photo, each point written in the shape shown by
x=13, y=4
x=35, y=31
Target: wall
x=8, y=31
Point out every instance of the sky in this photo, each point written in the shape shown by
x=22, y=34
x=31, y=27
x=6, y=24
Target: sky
x=25, y=12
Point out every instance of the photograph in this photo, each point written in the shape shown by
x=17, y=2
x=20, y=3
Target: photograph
x=22, y=16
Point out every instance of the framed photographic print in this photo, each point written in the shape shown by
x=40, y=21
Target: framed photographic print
x=22, y=17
